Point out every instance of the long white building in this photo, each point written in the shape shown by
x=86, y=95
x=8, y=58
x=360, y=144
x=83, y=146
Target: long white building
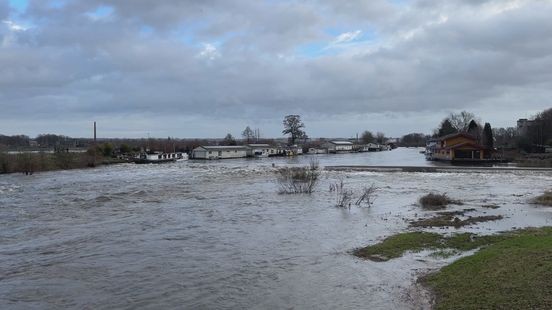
x=339, y=146
x=219, y=152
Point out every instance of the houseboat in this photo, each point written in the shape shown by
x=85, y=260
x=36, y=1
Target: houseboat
x=339, y=146
x=461, y=148
x=159, y=157
x=219, y=152
x=260, y=150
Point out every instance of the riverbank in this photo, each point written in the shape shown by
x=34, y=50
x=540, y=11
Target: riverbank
x=512, y=270
x=433, y=169
x=30, y=163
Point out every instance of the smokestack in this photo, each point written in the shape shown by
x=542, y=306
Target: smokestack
x=94, y=133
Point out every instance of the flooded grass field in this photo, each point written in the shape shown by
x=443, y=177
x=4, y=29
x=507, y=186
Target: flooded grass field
x=218, y=235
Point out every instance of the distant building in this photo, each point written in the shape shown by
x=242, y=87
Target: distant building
x=260, y=150
x=370, y=147
x=523, y=126
x=461, y=147
x=338, y=146
x=314, y=150
x=219, y=152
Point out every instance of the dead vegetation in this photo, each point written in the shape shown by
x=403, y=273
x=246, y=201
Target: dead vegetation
x=344, y=196
x=435, y=201
x=544, y=199
x=367, y=195
x=451, y=219
x=490, y=206
x=298, y=180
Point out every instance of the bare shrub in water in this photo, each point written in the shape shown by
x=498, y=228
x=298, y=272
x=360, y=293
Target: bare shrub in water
x=343, y=196
x=298, y=180
x=544, y=199
x=367, y=195
x=433, y=201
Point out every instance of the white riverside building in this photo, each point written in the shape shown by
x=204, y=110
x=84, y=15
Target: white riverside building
x=219, y=152
x=260, y=150
x=338, y=146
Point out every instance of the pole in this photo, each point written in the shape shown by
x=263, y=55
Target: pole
x=94, y=145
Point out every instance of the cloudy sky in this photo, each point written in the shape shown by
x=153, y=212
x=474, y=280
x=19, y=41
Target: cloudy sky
x=189, y=68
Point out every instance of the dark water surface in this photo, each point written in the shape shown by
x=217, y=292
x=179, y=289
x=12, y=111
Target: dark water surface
x=216, y=235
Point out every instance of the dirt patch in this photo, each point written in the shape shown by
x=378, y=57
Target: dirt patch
x=490, y=206
x=451, y=219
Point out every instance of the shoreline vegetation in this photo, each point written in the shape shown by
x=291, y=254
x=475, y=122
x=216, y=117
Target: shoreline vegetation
x=29, y=163
x=507, y=270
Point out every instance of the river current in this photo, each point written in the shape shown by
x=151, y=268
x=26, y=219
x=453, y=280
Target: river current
x=217, y=235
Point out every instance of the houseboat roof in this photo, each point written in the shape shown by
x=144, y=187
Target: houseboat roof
x=468, y=144
x=222, y=147
x=458, y=134
x=336, y=142
x=259, y=145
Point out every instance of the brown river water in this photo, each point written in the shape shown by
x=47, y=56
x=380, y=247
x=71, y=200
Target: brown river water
x=217, y=235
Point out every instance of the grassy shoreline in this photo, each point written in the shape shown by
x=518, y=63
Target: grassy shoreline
x=511, y=270
x=30, y=163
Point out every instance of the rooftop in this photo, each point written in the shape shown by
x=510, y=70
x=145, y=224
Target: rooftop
x=223, y=147
x=341, y=142
x=259, y=145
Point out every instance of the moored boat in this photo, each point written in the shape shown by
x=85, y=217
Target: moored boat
x=159, y=158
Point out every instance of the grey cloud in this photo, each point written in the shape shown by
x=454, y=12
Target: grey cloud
x=429, y=56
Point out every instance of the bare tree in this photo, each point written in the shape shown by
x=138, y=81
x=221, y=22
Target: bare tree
x=343, y=196
x=298, y=180
x=367, y=195
x=248, y=134
x=293, y=126
x=228, y=140
x=380, y=137
x=367, y=137
x=461, y=121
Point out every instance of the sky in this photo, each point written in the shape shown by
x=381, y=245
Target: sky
x=194, y=69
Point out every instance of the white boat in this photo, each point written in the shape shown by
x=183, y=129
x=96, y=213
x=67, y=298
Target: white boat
x=160, y=157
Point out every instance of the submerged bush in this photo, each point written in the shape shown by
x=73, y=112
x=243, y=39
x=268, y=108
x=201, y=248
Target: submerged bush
x=544, y=199
x=298, y=180
x=343, y=196
x=367, y=195
x=433, y=201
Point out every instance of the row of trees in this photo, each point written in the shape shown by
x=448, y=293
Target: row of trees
x=468, y=123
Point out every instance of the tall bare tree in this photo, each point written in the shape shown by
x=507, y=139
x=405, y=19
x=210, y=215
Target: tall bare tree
x=367, y=137
x=293, y=126
x=461, y=121
x=380, y=137
x=248, y=134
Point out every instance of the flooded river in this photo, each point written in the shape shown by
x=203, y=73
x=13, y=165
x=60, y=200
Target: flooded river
x=217, y=235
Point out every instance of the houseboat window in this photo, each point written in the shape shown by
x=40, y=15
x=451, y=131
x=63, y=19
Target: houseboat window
x=158, y=156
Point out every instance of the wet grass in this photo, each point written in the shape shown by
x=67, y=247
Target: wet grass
x=449, y=219
x=544, y=199
x=512, y=272
x=434, y=201
x=395, y=246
